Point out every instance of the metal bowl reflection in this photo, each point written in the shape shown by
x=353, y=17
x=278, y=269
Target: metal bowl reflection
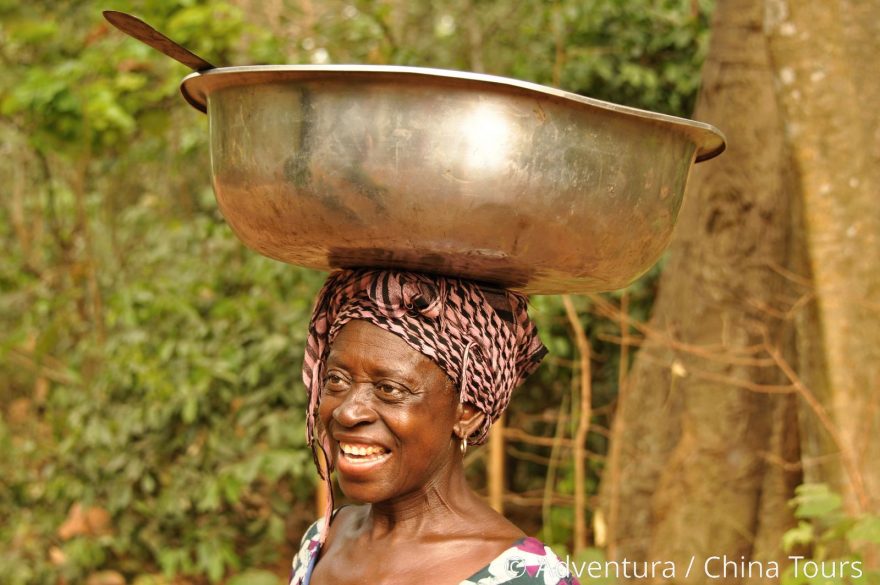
x=476, y=176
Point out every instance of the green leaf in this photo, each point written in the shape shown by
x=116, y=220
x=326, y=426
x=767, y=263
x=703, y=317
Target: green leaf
x=254, y=577
x=801, y=535
x=150, y=580
x=815, y=501
x=190, y=409
x=586, y=562
x=789, y=577
x=210, y=500
x=866, y=529
x=210, y=558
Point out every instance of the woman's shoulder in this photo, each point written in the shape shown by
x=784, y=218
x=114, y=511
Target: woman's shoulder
x=527, y=562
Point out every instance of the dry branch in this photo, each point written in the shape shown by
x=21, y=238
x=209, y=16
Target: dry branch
x=583, y=425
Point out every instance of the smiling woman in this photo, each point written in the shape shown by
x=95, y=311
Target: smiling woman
x=404, y=371
x=387, y=410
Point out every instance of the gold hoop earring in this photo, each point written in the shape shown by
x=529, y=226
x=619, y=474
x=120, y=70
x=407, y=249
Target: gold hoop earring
x=463, y=445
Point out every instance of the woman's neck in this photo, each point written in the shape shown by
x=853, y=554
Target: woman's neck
x=435, y=507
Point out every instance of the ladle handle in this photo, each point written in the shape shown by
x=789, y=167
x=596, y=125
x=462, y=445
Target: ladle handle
x=137, y=28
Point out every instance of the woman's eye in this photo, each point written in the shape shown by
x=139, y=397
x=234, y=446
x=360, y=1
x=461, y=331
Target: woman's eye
x=389, y=390
x=334, y=382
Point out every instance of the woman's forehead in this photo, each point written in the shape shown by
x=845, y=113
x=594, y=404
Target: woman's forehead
x=360, y=343
x=360, y=331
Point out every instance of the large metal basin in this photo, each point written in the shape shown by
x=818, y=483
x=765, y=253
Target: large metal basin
x=483, y=177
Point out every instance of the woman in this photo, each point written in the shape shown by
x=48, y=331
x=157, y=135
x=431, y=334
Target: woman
x=404, y=371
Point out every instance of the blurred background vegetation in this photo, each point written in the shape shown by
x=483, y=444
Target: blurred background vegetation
x=151, y=407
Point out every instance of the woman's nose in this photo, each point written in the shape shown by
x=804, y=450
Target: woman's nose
x=356, y=407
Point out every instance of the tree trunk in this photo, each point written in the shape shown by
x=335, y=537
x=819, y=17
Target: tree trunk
x=826, y=56
x=762, y=359
x=708, y=426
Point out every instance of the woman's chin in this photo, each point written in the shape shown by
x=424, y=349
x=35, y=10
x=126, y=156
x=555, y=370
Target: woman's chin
x=364, y=479
x=363, y=493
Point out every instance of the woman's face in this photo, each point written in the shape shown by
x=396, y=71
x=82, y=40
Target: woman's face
x=389, y=413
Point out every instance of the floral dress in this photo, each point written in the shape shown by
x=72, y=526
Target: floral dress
x=527, y=562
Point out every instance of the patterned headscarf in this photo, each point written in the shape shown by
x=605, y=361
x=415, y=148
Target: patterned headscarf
x=481, y=337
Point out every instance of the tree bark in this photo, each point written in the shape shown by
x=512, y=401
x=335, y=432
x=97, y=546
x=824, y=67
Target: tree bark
x=708, y=427
x=826, y=60
x=772, y=287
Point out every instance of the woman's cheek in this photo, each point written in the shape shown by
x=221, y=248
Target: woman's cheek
x=325, y=409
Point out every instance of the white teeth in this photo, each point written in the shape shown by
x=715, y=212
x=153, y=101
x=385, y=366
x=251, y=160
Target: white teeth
x=361, y=450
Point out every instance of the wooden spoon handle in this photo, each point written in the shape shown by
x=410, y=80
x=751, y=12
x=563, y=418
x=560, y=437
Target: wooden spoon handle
x=140, y=30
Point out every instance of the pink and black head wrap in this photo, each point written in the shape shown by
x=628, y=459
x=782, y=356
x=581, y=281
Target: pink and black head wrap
x=481, y=337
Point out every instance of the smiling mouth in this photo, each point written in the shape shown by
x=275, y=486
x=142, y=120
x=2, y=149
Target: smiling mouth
x=357, y=453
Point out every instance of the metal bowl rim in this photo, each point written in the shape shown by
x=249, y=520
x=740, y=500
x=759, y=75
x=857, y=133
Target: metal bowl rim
x=195, y=87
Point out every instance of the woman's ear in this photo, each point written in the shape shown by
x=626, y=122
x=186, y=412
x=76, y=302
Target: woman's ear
x=469, y=420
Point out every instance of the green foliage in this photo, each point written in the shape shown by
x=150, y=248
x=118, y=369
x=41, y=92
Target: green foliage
x=594, y=558
x=816, y=501
x=639, y=53
x=149, y=364
x=254, y=578
x=833, y=537
x=866, y=529
x=644, y=53
x=189, y=431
